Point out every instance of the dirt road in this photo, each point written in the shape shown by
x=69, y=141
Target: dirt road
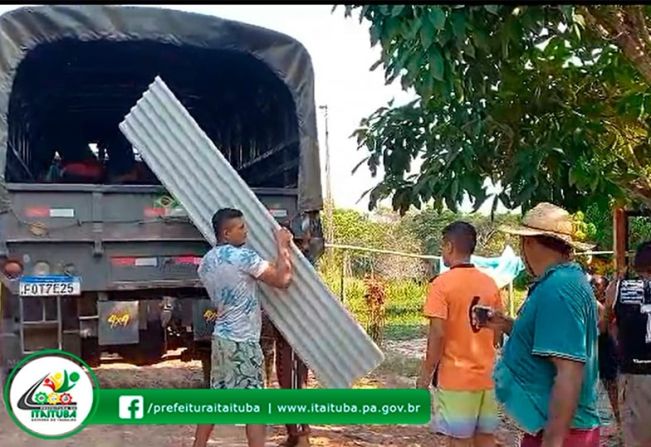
x=175, y=374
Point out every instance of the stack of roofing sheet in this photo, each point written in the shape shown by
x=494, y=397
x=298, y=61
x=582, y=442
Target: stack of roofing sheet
x=321, y=331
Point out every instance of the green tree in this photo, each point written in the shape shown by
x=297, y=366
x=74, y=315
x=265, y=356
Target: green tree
x=602, y=219
x=428, y=225
x=552, y=102
x=384, y=231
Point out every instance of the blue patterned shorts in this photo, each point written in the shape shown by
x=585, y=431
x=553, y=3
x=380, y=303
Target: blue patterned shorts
x=236, y=364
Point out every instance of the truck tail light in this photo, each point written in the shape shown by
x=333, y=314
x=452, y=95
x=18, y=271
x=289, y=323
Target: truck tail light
x=41, y=269
x=13, y=269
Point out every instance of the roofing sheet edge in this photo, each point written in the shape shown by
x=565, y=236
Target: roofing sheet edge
x=313, y=321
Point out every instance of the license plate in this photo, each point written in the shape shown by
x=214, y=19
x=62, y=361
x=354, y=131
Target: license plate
x=49, y=286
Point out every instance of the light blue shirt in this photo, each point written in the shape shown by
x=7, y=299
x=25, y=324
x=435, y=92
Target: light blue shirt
x=229, y=275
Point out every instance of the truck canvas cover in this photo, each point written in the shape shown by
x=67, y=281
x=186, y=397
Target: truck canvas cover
x=168, y=36
x=323, y=333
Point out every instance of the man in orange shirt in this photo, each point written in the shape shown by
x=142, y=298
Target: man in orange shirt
x=464, y=353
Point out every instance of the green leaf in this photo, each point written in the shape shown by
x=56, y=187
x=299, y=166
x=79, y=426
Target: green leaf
x=469, y=50
x=567, y=11
x=391, y=28
x=414, y=28
x=437, y=64
x=492, y=9
x=426, y=38
x=375, y=65
x=579, y=19
x=454, y=189
x=362, y=13
x=459, y=25
x=375, y=34
x=358, y=165
x=396, y=10
x=436, y=17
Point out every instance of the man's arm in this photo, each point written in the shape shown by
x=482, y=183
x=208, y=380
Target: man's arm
x=279, y=273
x=433, y=353
x=498, y=305
x=436, y=310
x=563, y=402
x=500, y=323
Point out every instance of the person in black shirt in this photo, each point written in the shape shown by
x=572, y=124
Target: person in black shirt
x=628, y=303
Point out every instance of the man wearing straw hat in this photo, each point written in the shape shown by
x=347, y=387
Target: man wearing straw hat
x=547, y=376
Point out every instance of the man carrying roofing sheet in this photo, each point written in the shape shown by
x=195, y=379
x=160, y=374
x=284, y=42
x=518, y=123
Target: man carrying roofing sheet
x=229, y=273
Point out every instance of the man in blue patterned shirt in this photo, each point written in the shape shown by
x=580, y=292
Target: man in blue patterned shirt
x=230, y=272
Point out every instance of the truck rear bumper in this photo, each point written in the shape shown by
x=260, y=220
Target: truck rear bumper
x=122, y=286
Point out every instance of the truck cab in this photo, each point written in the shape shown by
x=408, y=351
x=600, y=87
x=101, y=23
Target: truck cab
x=98, y=258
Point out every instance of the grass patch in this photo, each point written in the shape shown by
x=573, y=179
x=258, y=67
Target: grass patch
x=404, y=304
x=399, y=365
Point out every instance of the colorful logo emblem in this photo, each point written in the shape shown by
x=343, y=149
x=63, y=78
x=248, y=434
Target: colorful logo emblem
x=50, y=396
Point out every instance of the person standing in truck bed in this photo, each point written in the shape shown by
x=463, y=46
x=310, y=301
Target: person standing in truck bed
x=229, y=273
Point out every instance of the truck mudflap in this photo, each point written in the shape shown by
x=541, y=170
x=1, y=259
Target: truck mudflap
x=119, y=322
x=319, y=328
x=204, y=316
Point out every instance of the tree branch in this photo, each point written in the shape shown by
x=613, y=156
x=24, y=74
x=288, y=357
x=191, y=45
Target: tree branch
x=637, y=17
x=627, y=40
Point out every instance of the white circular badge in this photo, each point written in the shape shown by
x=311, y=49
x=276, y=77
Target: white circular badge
x=51, y=396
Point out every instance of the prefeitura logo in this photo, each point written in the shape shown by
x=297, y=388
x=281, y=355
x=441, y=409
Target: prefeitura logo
x=50, y=394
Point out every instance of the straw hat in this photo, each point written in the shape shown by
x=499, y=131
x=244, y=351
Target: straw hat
x=549, y=220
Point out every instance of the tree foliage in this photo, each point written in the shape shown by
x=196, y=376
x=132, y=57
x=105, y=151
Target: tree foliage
x=551, y=102
x=383, y=231
x=427, y=227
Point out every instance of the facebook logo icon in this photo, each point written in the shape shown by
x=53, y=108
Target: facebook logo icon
x=131, y=407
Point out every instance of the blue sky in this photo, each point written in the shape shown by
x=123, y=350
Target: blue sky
x=341, y=54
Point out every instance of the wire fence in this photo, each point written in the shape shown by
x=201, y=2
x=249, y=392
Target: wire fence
x=404, y=276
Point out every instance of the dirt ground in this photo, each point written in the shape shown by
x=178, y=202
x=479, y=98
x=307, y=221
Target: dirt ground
x=175, y=374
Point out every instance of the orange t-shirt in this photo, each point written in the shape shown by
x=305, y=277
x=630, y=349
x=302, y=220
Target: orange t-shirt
x=468, y=357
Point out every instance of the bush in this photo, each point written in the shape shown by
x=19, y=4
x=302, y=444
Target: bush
x=403, y=305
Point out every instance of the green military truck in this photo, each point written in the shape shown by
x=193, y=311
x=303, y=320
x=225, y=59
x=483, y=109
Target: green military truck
x=97, y=258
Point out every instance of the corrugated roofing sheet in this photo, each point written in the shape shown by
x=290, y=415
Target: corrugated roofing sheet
x=322, y=332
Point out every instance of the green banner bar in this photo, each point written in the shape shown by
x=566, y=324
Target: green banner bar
x=270, y=406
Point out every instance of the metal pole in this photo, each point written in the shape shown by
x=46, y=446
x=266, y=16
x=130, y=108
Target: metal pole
x=329, y=205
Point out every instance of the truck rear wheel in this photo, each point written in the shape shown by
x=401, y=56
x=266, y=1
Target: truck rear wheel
x=91, y=352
